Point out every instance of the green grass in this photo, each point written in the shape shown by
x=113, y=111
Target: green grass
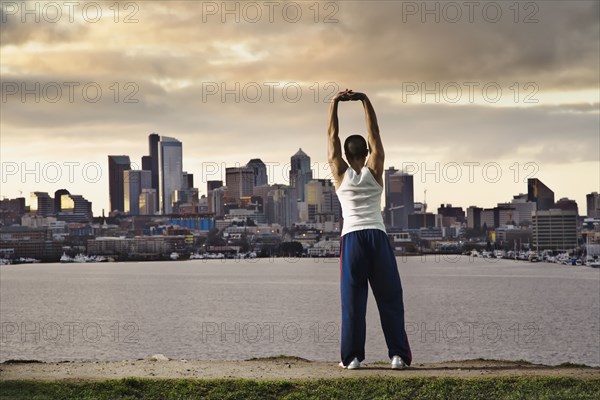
x=349, y=388
x=574, y=365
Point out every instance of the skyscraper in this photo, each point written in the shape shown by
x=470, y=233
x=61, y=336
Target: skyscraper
x=147, y=163
x=147, y=202
x=41, y=204
x=153, y=140
x=300, y=173
x=280, y=204
x=322, y=202
x=217, y=201
x=260, y=171
x=555, y=229
x=74, y=208
x=134, y=183
x=389, y=198
x=151, y=163
x=210, y=187
x=593, y=205
x=399, y=198
x=474, y=217
x=524, y=207
x=171, y=163
x=57, y=196
x=187, y=180
x=239, y=182
x=116, y=166
x=540, y=194
x=567, y=204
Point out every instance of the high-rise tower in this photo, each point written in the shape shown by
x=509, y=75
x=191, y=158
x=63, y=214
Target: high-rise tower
x=300, y=173
x=117, y=165
x=171, y=170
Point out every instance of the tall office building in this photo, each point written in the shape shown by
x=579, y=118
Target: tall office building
x=117, y=165
x=263, y=191
x=147, y=163
x=540, y=194
x=488, y=218
x=151, y=163
x=593, y=205
x=216, y=201
x=186, y=201
x=420, y=220
x=187, y=180
x=524, y=207
x=153, y=140
x=399, y=198
x=474, y=217
x=134, y=182
x=505, y=214
x=567, y=204
x=147, y=202
x=300, y=173
x=11, y=211
x=74, y=208
x=41, y=204
x=57, y=196
x=555, y=229
x=451, y=215
x=321, y=201
x=280, y=204
x=260, y=171
x=387, y=195
x=210, y=187
x=171, y=170
x=239, y=182
x=285, y=205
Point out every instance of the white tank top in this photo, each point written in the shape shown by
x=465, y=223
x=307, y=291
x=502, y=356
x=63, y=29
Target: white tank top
x=360, y=198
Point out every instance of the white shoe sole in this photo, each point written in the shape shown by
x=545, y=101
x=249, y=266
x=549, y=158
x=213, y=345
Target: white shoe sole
x=341, y=365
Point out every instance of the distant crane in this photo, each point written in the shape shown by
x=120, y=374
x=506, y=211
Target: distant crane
x=425, y=208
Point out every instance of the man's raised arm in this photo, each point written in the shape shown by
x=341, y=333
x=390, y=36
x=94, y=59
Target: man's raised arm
x=334, y=147
x=377, y=156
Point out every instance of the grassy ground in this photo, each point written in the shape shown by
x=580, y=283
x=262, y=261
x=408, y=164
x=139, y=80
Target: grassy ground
x=361, y=388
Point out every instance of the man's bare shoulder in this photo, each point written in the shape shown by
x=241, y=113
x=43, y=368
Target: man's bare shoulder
x=378, y=176
x=338, y=175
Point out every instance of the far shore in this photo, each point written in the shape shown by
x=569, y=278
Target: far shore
x=451, y=256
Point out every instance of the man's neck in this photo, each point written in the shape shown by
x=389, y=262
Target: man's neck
x=357, y=167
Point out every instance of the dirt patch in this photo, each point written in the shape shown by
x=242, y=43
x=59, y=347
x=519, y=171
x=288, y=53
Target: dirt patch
x=276, y=368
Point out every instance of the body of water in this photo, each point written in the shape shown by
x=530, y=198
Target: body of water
x=456, y=308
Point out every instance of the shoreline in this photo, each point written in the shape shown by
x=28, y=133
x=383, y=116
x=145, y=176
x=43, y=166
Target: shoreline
x=277, y=368
x=491, y=260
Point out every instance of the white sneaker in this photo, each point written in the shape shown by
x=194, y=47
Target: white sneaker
x=398, y=363
x=355, y=364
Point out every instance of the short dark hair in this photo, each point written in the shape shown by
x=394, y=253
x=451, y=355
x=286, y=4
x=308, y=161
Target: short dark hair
x=355, y=147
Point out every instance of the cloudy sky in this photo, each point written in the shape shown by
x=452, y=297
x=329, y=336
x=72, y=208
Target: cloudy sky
x=472, y=98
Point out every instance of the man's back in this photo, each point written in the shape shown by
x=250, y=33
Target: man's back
x=360, y=198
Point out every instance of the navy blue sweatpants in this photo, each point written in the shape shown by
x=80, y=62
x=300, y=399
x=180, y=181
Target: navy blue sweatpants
x=367, y=256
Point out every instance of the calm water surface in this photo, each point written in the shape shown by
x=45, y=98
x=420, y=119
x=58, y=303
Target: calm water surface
x=456, y=308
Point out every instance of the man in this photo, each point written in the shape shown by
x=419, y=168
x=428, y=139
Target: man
x=366, y=254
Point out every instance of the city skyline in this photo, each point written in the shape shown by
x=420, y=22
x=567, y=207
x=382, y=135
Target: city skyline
x=279, y=174
x=122, y=181
x=203, y=91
